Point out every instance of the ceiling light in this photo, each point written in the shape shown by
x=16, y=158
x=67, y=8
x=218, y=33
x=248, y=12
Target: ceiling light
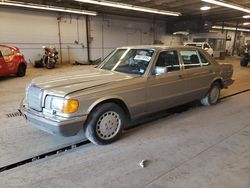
x=224, y=4
x=205, y=8
x=246, y=16
x=45, y=7
x=130, y=7
x=231, y=28
x=246, y=23
x=181, y=33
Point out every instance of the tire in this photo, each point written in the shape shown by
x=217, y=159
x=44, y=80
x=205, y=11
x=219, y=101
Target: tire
x=105, y=124
x=243, y=62
x=50, y=64
x=212, y=96
x=21, y=71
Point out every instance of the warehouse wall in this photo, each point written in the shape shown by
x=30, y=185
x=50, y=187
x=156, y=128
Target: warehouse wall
x=109, y=32
x=241, y=39
x=30, y=30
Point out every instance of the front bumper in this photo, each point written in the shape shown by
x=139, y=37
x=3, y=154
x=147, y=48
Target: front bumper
x=64, y=127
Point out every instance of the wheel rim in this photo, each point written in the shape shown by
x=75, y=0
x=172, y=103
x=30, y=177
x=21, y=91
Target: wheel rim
x=108, y=125
x=214, y=94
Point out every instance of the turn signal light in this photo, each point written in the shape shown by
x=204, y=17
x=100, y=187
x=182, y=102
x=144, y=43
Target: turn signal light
x=70, y=106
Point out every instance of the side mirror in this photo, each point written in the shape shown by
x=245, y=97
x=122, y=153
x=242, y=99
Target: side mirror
x=159, y=70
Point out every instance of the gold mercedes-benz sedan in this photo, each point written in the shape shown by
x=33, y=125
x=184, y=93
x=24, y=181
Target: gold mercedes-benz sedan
x=130, y=83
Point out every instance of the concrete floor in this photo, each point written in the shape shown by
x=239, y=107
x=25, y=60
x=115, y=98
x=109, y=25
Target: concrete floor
x=202, y=147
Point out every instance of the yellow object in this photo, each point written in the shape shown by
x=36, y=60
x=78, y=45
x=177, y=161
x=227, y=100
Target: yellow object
x=70, y=106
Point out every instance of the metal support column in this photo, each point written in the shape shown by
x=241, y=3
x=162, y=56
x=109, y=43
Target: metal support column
x=235, y=37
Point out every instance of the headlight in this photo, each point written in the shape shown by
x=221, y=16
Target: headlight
x=61, y=105
x=56, y=104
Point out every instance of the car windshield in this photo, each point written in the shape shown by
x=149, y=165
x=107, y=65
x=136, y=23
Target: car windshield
x=130, y=61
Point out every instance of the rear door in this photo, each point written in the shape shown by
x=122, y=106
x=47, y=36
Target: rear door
x=165, y=86
x=197, y=72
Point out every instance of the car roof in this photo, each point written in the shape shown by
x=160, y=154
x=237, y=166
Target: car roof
x=159, y=47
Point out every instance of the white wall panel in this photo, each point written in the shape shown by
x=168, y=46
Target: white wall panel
x=30, y=30
x=109, y=32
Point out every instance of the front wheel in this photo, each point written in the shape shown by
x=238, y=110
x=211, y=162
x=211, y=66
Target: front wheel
x=50, y=64
x=212, y=96
x=105, y=124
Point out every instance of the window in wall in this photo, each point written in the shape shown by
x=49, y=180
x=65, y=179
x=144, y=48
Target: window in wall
x=190, y=59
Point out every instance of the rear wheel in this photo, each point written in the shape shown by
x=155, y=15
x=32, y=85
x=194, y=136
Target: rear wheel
x=105, y=124
x=212, y=96
x=21, y=71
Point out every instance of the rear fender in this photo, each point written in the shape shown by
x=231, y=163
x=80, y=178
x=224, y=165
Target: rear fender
x=219, y=80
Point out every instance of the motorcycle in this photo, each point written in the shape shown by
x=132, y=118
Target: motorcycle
x=49, y=58
x=246, y=58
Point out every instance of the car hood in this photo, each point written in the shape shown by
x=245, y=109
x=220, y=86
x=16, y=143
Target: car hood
x=66, y=83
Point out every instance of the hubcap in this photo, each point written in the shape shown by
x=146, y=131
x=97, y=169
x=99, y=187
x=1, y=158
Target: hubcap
x=214, y=94
x=108, y=125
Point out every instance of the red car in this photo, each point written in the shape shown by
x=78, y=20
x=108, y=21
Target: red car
x=11, y=61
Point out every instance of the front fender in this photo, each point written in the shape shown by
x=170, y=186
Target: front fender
x=107, y=98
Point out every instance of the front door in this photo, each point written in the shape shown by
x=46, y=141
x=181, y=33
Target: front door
x=166, y=86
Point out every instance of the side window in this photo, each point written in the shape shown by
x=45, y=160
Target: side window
x=204, y=60
x=168, y=61
x=190, y=59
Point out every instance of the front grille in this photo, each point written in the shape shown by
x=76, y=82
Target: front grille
x=35, y=98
